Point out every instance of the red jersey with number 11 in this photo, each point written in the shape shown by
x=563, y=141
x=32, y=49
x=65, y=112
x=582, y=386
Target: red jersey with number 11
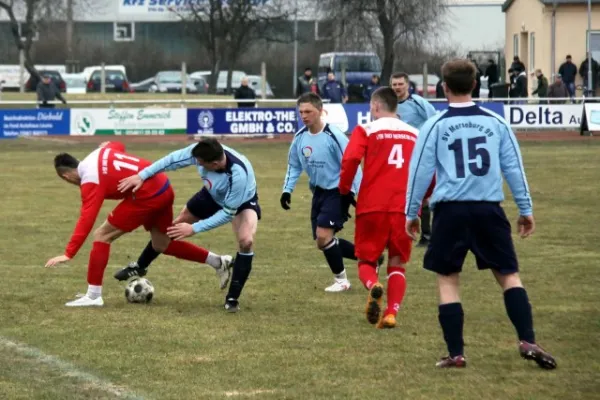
x=386, y=146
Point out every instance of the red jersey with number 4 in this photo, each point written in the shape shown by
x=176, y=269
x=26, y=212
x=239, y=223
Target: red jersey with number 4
x=386, y=145
x=100, y=173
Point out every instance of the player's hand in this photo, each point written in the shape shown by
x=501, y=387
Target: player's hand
x=285, y=200
x=413, y=228
x=346, y=201
x=180, y=231
x=526, y=226
x=133, y=182
x=53, y=262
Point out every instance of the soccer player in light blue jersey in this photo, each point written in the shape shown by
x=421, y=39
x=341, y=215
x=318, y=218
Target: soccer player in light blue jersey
x=414, y=110
x=228, y=195
x=317, y=149
x=469, y=149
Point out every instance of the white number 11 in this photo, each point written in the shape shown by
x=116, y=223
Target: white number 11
x=121, y=164
x=395, y=157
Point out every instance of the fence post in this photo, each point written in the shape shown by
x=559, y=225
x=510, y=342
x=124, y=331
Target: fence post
x=425, y=83
x=263, y=81
x=183, y=78
x=22, y=71
x=103, y=78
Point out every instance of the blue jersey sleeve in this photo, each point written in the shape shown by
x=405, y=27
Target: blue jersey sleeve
x=511, y=164
x=294, y=169
x=233, y=200
x=422, y=168
x=175, y=160
x=427, y=109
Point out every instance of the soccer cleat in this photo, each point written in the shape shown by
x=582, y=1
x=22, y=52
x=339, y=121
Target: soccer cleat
x=131, y=270
x=224, y=271
x=374, y=302
x=232, y=305
x=86, y=301
x=380, y=262
x=387, y=322
x=530, y=351
x=340, y=285
x=452, y=362
x=424, y=242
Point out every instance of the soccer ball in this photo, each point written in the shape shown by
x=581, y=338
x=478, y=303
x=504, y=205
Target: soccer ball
x=139, y=290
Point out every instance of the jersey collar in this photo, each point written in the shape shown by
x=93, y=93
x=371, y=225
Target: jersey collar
x=462, y=105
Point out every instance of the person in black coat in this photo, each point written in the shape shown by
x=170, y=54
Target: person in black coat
x=491, y=72
x=244, y=92
x=439, y=90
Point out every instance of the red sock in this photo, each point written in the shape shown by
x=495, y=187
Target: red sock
x=396, y=288
x=186, y=251
x=367, y=273
x=97, y=264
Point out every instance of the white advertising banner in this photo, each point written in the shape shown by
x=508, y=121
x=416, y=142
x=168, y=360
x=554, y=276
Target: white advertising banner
x=128, y=121
x=592, y=114
x=543, y=115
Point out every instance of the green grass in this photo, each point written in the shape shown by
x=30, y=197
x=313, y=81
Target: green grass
x=291, y=340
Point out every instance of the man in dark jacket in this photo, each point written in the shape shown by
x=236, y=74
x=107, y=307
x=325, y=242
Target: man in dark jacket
x=558, y=90
x=517, y=64
x=520, y=85
x=477, y=89
x=48, y=91
x=568, y=73
x=491, y=72
x=583, y=71
x=307, y=83
x=244, y=92
x=373, y=86
x=334, y=90
x=439, y=90
x=542, y=86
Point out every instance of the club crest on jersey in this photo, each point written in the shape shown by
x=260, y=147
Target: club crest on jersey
x=207, y=183
x=307, y=151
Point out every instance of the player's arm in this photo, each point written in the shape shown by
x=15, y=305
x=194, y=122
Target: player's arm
x=294, y=168
x=422, y=169
x=91, y=202
x=171, y=162
x=353, y=155
x=428, y=109
x=511, y=164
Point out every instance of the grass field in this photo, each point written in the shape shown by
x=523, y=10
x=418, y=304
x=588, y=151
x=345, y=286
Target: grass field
x=291, y=340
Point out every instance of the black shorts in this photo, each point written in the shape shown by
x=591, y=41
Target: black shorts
x=481, y=227
x=202, y=205
x=326, y=210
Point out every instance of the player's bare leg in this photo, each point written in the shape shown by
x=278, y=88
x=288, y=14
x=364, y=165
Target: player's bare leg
x=328, y=244
x=244, y=227
x=396, y=288
x=103, y=237
x=451, y=318
x=519, y=311
x=185, y=216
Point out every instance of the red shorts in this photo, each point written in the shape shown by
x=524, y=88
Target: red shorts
x=377, y=231
x=155, y=212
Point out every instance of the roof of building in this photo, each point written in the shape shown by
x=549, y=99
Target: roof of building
x=508, y=3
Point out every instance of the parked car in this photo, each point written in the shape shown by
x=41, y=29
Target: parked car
x=76, y=83
x=55, y=76
x=359, y=66
x=236, y=79
x=115, y=81
x=201, y=84
x=142, y=86
x=255, y=82
x=432, y=81
x=171, y=82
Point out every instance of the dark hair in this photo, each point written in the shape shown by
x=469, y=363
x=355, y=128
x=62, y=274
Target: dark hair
x=307, y=69
x=459, y=76
x=399, y=75
x=569, y=56
x=311, y=98
x=385, y=95
x=208, y=150
x=64, y=162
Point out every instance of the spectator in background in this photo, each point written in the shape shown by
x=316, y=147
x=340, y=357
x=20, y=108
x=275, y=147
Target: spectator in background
x=373, y=86
x=517, y=64
x=333, y=90
x=512, y=76
x=48, y=91
x=521, y=88
x=307, y=83
x=477, y=89
x=439, y=90
x=244, y=92
x=412, y=87
x=583, y=71
x=491, y=73
x=558, y=89
x=542, y=86
x=568, y=72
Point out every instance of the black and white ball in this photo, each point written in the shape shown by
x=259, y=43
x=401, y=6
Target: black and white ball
x=139, y=290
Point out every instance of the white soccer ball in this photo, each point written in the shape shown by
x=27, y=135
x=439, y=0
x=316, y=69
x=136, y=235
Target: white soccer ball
x=139, y=290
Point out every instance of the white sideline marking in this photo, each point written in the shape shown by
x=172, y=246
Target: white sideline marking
x=249, y=392
x=68, y=369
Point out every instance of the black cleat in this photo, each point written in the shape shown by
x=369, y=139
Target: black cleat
x=424, y=242
x=534, y=352
x=130, y=271
x=373, y=309
x=380, y=260
x=232, y=305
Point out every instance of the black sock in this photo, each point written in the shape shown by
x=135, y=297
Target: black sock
x=452, y=319
x=426, y=222
x=148, y=255
x=347, y=249
x=241, y=271
x=334, y=257
x=519, y=312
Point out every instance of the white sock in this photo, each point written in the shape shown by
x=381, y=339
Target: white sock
x=94, y=292
x=213, y=260
x=341, y=276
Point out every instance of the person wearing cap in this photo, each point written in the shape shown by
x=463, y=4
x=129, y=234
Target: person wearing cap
x=48, y=91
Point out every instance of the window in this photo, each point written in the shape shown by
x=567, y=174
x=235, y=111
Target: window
x=515, y=45
x=324, y=64
x=323, y=30
x=358, y=63
x=24, y=30
x=532, y=51
x=594, y=38
x=124, y=31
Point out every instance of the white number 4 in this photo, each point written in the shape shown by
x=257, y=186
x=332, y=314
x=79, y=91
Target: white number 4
x=121, y=164
x=395, y=157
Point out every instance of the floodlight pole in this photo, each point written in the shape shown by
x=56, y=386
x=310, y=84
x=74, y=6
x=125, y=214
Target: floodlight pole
x=295, y=74
x=590, y=88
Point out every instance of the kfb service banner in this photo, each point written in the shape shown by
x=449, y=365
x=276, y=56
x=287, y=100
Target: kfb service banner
x=36, y=122
x=241, y=121
x=128, y=121
x=544, y=115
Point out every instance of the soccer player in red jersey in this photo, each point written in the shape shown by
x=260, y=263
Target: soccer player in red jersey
x=386, y=145
x=98, y=176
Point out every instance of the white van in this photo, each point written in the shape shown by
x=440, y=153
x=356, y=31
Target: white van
x=88, y=71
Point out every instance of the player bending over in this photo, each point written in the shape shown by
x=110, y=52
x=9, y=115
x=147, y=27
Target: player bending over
x=229, y=195
x=98, y=176
x=470, y=148
x=386, y=145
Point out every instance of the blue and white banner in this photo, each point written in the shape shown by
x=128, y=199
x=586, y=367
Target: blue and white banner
x=37, y=122
x=241, y=121
x=544, y=115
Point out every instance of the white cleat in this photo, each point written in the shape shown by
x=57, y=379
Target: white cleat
x=340, y=285
x=224, y=271
x=85, y=301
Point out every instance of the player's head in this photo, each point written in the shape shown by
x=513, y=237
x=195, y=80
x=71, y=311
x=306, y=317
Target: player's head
x=399, y=82
x=459, y=77
x=210, y=154
x=66, y=168
x=310, y=107
x=384, y=103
